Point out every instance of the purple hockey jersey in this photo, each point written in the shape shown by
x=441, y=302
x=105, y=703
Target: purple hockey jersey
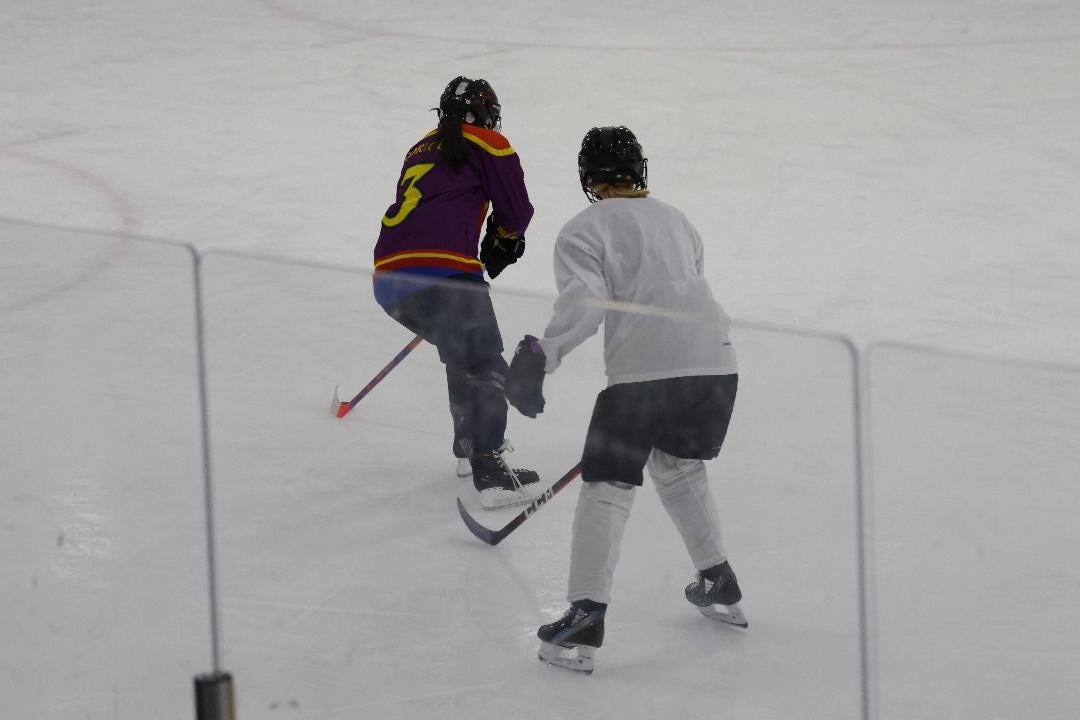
x=432, y=230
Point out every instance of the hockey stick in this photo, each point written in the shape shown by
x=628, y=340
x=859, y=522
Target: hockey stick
x=494, y=537
x=342, y=408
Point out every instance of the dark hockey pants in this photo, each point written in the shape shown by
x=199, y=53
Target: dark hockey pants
x=457, y=317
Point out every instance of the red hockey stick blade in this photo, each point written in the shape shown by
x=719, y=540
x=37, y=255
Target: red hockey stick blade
x=341, y=409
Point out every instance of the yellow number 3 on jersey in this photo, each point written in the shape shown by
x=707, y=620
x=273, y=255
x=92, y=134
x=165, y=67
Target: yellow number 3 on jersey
x=412, y=194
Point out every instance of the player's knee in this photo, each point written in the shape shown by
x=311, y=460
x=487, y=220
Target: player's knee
x=667, y=470
x=609, y=492
x=491, y=372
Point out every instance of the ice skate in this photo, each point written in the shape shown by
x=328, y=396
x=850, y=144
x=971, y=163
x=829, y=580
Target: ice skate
x=499, y=485
x=570, y=641
x=718, y=599
x=464, y=466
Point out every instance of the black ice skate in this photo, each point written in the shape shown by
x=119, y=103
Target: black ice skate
x=715, y=593
x=500, y=485
x=464, y=465
x=580, y=629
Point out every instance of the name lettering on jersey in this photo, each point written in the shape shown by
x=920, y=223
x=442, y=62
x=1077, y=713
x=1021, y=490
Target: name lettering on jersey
x=430, y=146
x=491, y=142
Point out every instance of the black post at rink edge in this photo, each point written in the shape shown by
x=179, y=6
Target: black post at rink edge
x=214, y=698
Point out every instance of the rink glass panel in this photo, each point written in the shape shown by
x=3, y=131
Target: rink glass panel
x=346, y=573
x=349, y=584
x=103, y=608
x=975, y=536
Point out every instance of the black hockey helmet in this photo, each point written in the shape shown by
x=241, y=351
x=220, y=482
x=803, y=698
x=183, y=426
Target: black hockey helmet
x=611, y=155
x=471, y=101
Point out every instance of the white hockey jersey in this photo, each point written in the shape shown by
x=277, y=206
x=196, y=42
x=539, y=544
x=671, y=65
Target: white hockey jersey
x=637, y=265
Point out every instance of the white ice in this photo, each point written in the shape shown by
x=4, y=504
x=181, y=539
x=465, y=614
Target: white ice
x=902, y=171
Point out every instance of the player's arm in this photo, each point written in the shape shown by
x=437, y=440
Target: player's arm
x=579, y=307
x=504, y=184
x=699, y=250
x=504, y=180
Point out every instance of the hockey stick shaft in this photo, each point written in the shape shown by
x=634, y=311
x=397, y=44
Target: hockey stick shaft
x=343, y=408
x=494, y=537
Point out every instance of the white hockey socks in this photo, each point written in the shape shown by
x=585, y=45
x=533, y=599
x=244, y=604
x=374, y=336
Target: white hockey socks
x=683, y=486
x=599, y=521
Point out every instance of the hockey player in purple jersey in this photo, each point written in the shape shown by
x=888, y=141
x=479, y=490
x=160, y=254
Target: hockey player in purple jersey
x=429, y=271
x=672, y=379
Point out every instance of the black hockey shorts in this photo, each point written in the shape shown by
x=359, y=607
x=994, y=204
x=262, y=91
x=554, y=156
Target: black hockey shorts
x=457, y=317
x=685, y=416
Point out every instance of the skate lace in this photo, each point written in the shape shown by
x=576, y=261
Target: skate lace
x=712, y=585
x=506, y=447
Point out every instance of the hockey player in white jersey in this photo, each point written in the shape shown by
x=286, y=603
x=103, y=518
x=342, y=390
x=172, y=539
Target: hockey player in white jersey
x=635, y=264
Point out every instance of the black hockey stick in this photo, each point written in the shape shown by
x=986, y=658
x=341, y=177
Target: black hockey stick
x=494, y=537
x=341, y=409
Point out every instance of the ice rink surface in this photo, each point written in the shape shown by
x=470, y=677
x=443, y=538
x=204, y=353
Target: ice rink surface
x=903, y=171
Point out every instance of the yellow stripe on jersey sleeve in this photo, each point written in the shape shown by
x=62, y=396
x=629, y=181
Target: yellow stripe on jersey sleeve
x=498, y=152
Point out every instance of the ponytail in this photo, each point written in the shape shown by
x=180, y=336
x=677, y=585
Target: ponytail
x=605, y=191
x=452, y=147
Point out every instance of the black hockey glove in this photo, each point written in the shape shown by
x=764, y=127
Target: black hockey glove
x=499, y=249
x=525, y=386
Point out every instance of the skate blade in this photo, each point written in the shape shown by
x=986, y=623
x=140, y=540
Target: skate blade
x=500, y=499
x=581, y=661
x=729, y=615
